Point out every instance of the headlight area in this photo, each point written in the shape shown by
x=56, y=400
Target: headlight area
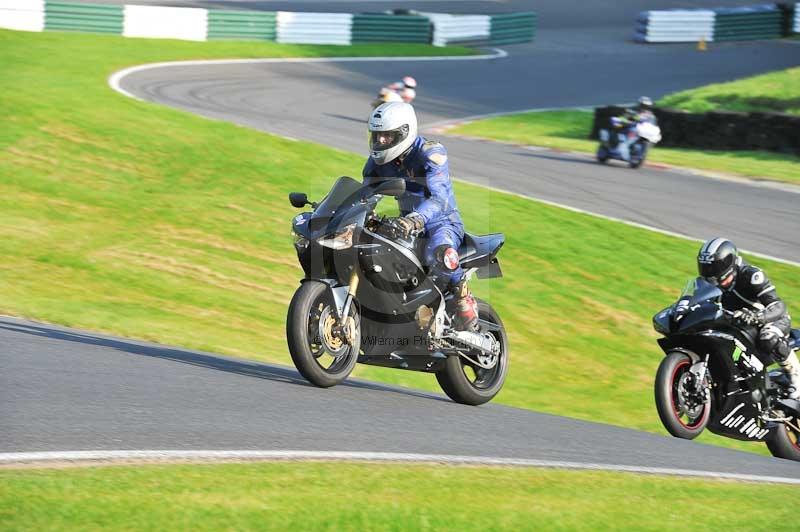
x=339, y=240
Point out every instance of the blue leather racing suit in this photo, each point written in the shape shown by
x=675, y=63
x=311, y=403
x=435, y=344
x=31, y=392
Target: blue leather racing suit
x=429, y=193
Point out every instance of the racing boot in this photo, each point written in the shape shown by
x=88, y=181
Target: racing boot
x=791, y=366
x=466, y=308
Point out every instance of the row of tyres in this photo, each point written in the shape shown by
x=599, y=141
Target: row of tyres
x=282, y=26
x=764, y=21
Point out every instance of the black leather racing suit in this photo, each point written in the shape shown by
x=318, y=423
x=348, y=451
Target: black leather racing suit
x=754, y=291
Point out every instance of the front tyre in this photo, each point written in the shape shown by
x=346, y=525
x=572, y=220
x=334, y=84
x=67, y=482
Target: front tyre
x=784, y=441
x=638, y=154
x=679, y=411
x=318, y=350
x=602, y=154
x=469, y=384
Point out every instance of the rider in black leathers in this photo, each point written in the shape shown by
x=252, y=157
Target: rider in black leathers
x=754, y=300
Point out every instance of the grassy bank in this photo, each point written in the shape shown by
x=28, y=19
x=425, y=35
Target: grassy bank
x=569, y=130
x=139, y=220
x=776, y=92
x=320, y=496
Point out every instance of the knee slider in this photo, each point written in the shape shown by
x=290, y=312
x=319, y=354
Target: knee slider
x=447, y=257
x=772, y=341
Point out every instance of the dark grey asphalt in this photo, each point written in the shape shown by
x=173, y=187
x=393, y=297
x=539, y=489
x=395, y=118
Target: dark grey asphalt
x=327, y=103
x=64, y=389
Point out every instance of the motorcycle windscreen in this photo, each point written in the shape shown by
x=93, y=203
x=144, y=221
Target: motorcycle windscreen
x=699, y=291
x=345, y=193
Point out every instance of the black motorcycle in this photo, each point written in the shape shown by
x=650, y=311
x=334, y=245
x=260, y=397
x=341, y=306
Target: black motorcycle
x=366, y=297
x=714, y=377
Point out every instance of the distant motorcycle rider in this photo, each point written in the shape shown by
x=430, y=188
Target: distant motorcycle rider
x=396, y=150
x=643, y=112
x=752, y=297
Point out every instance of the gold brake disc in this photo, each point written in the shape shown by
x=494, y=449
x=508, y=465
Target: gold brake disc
x=334, y=343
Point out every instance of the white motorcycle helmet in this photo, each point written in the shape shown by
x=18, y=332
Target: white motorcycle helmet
x=410, y=82
x=392, y=130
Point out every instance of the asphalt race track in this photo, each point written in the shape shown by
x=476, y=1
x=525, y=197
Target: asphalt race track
x=62, y=389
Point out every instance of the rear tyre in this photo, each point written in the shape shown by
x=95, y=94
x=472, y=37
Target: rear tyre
x=318, y=353
x=679, y=418
x=784, y=442
x=602, y=154
x=468, y=384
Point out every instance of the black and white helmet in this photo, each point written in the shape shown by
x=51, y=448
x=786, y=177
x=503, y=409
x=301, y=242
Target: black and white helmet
x=718, y=262
x=645, y=104
x=392, y=130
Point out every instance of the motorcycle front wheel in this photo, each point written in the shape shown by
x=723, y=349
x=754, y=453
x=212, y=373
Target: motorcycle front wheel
x=469, y=384
x=318, y=351
x=602, y=154
x=638, y=154
x=679, y=418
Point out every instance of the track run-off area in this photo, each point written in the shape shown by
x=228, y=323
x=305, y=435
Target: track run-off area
x=68, y=392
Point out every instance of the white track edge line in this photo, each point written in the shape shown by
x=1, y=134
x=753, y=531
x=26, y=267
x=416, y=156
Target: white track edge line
x=115, y=79
x=22, y=458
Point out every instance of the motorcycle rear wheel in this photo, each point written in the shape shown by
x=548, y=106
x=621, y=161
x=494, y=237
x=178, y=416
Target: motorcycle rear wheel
x=470, y=385
x=671, y=407
x=784, y=442
x=310, y=339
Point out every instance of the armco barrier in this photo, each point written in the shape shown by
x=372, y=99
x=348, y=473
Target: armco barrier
x=379, y=27
x=678, y=25
x=716, y=130
x=95, y=18
x=25, y=15
x=314, y=28
x=512, y=28
x=748, y=23
x=242, y=25
x=185, y=23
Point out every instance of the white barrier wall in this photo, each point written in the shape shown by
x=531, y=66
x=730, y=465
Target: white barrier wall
x=185, y=23
x=25, y=15
x=314, y=28
x=459, y=28
x=680, y=26
x=797, y=18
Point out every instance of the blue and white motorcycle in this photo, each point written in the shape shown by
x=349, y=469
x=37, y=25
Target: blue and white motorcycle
x=627, y=141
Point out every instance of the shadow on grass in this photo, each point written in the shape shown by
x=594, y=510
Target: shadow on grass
x=239, y=367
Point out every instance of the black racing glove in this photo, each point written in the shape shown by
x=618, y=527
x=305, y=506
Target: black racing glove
x=409, y=223
x=747, y=316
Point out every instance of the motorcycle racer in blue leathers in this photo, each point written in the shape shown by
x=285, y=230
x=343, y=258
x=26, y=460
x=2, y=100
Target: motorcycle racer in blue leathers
x=396, y=150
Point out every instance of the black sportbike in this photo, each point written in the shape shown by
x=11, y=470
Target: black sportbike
x=714, y=377
x=366, y=297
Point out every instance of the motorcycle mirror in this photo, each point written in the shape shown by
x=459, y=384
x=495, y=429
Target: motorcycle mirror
x=391, y=187
x=298, y=199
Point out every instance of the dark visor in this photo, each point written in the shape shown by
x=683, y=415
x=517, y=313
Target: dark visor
x=383, y=140
x=715, y=270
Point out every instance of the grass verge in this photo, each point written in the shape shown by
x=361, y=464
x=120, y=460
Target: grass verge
x=144, y=221
x=339, y=496
x=774, y=92
x=568, y=130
